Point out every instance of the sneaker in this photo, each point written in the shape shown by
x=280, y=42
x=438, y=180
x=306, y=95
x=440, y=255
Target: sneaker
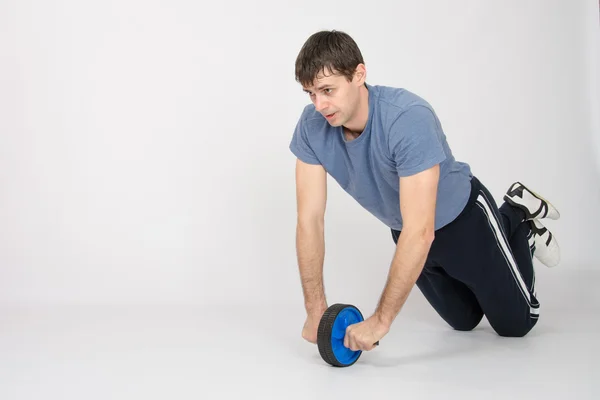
x=534, y=205
x=543, y=244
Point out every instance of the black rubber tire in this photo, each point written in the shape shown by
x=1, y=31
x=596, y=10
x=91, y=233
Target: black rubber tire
x=324, y=334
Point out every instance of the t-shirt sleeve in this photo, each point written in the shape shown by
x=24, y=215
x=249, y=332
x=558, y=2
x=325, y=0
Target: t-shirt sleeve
x=300, y=146
x=415, y=141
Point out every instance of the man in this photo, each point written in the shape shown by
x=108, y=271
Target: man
x=386, y=148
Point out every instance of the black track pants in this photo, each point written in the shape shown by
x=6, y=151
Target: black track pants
x=481, y=263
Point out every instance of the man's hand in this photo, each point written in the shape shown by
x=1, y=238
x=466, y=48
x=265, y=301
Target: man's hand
x=364, y=335
x=311, y=325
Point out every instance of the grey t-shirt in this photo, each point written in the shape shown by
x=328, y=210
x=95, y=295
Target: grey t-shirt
x=403, y=136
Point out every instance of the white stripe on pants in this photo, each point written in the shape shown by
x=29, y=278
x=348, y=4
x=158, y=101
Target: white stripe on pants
x=504, y=247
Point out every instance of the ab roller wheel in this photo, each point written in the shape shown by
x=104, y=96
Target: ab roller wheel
x=331, y=332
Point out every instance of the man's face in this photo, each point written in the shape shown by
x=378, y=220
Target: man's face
x=334, y=97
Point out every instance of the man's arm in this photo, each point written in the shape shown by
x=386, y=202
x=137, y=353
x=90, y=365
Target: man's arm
x=311, y=197
x=418, y=197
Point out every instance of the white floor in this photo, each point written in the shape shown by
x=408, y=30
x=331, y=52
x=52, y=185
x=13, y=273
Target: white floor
x=239, y=352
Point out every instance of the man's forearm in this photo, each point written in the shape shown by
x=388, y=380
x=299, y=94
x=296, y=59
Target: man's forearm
x=310, y=249
x=410, y=256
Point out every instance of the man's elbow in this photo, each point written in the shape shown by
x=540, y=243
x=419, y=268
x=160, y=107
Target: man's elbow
x=427, y=236
x=310, y=222
x=422, y=235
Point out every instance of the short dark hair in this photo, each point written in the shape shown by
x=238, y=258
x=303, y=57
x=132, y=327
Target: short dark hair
x=334, y=51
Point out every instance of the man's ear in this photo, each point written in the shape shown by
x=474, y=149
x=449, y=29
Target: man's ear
x=360, y=74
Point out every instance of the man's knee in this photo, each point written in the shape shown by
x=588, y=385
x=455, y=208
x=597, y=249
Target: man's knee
x=515, y=331
x=467, y=322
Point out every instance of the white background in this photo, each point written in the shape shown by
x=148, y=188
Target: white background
x=144, y=144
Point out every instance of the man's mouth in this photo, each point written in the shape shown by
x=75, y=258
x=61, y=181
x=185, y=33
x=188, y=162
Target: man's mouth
x=329, y=115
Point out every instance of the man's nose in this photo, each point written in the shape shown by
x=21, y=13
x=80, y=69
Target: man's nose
x=320, y=104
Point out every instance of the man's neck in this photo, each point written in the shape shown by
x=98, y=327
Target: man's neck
x=357, y=125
